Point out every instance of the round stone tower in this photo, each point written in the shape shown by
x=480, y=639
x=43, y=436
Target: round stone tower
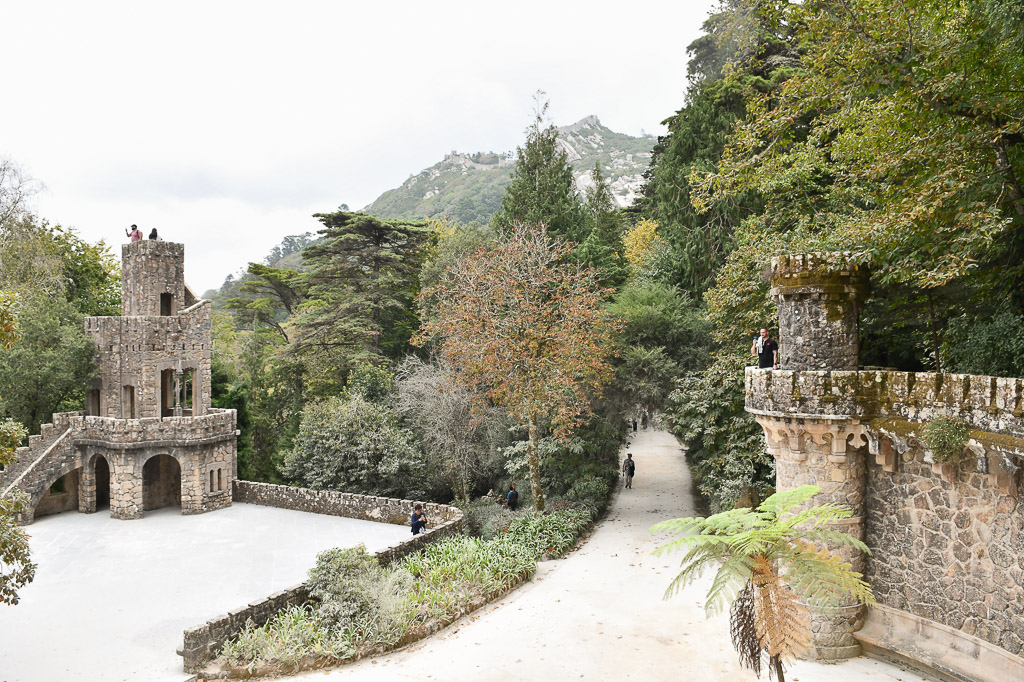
x=819, y=297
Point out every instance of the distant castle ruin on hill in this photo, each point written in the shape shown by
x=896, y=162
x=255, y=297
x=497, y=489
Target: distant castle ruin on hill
x=149, y=436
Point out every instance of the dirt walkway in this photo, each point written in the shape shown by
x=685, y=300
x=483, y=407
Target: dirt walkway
x=599, y=615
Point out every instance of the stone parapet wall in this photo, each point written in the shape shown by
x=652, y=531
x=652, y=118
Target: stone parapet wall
x=349, y=505
x=152, y=432
x=202, y=643
x=988, y=403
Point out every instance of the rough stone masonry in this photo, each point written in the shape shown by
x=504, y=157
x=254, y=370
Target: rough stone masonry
x=946, y=538
x=149, y=436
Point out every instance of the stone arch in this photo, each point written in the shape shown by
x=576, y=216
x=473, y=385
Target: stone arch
x=101, y=476
x=162, y=481
x=42, y=493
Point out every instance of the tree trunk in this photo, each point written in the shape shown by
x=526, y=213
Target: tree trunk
x=776, y=662
x=534, y=459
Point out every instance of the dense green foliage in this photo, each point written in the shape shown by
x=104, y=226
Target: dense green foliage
x=721, y=439
x=353, y=444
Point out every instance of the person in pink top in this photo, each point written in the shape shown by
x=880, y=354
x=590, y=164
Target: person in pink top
x=135, y=233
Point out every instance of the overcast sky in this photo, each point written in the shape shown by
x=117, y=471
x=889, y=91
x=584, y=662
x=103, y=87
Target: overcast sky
x=227, y=124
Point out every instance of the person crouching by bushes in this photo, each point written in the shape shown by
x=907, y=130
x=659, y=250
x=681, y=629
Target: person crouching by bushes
x=418, y=519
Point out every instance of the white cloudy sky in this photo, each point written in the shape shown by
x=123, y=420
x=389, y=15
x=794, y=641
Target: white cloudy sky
x=227, y=124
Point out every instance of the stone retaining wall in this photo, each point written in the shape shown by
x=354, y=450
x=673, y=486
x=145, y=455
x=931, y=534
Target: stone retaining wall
x=202, y=643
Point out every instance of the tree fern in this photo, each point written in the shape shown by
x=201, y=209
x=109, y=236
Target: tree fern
x=772, y=564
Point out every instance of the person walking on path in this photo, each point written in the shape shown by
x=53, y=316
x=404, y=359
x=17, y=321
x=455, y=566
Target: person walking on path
x=512, y=498
x=628, y=469
x=767, y=351
x=418, y=520
x=135, y=234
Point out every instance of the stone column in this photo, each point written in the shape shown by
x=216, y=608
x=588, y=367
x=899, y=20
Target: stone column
x=819, y=296
x=87, y=487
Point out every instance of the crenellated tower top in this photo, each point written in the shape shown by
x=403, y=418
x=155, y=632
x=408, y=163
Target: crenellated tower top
x=819, y=296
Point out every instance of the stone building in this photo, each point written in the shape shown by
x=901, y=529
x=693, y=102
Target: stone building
x=946, y=538
x=149, y=436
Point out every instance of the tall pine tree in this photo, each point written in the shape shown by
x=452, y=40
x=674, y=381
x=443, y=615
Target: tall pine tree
x=362, y=283
x=542, y=190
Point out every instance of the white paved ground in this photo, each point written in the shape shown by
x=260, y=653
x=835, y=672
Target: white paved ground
x=598, y=615
x=111, y=598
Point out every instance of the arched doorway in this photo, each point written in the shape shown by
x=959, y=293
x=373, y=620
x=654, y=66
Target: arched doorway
x=161, y=483
x=61, y=496
x=102, y=482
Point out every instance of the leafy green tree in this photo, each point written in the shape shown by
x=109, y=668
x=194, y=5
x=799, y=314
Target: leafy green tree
x=354, y=445
x=273, y=294
x=542, y=190
x=362, y=285
x=722, y=440
x=49, y=369
x=663, y=333
x=900, y=137
x=771, y=564
x=528, y=330
x=16, y=567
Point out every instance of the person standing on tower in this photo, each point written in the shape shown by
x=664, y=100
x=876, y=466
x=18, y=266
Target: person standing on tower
x=767, y=351
x=134, y=233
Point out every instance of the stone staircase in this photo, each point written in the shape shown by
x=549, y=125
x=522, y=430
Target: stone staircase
x=47, y=457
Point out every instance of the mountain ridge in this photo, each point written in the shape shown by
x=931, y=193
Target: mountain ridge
x=468, y=187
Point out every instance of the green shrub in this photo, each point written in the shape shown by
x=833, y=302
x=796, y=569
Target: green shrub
x=551, y=534
x=723, y=442
x=286, y=639
x=487, y=519
x=946, y=437
x=590, y=492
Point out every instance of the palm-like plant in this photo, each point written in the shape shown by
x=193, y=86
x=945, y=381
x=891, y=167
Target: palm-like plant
x=773, y=565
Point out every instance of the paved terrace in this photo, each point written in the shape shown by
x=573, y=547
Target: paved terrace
x=111, y=598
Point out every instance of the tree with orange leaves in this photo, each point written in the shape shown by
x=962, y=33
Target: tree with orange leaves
x=525, y=328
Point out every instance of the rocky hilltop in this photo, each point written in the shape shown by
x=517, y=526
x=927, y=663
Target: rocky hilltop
x=467, y=187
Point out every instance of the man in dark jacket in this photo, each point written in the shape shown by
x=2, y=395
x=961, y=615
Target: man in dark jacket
x=418, y=520
x=512, y=498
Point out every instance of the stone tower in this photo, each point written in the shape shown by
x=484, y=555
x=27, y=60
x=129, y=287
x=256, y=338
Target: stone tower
x=819, y=296
x=149, y=436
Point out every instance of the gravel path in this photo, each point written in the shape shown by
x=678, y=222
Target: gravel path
x=598, y=614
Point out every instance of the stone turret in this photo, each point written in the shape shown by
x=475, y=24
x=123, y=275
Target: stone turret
x=819, y=296
x=945, y=530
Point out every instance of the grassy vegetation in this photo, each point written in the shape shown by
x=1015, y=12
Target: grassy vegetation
x=362, y=607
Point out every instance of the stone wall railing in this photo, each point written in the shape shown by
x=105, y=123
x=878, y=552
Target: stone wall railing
x=896, y=405
x=988, y=403
x=202, y=643
x=148, y=326
x=219, y=424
